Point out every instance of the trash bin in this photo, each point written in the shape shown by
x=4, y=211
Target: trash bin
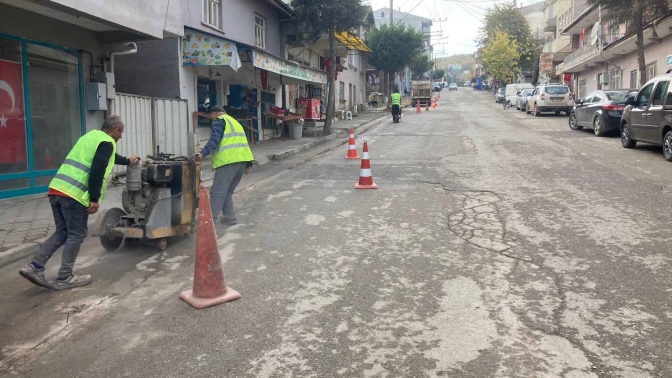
x=297, y=130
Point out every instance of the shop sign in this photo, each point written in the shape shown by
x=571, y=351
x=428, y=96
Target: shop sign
x=204, y=50
x=284, y=68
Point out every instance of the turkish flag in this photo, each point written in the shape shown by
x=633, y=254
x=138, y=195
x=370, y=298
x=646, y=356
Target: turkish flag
x=12, y=114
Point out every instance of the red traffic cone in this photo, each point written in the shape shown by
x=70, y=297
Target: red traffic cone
x=365, y=176
x=434, y=104
x=209, y=285
x=48, y=161
x=352, y=149
x=418, y=110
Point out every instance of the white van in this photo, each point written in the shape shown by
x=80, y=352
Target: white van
x=511, y=90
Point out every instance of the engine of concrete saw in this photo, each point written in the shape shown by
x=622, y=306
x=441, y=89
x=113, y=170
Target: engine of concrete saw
x=160, y=200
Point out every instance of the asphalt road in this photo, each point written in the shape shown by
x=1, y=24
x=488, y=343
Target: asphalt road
x=497, y=245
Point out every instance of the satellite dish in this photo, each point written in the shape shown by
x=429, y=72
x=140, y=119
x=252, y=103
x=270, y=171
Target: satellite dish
x=594, y=34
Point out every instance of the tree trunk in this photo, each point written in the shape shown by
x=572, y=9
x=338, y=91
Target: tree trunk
x=639, y=25
x=331, y=107
x=388, y=89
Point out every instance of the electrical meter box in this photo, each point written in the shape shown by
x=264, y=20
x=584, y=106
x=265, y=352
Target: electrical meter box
x=96, y=96
x=108, y=78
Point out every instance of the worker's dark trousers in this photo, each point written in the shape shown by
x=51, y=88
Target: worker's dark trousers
x=227, y=178
x=71, y=228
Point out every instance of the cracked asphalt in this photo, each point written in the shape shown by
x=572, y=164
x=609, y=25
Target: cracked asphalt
x=497, y=245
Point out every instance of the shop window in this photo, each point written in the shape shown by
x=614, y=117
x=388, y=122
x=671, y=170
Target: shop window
x=633, y=79
x=212, y=9
x=260, y=31
x=13, y=143
x=54, y=98
x=46, y=108
x=614, y=78
x=341, y=95
x=206, y=91
x=650, y=71
x=582, y=89
x=267, y=100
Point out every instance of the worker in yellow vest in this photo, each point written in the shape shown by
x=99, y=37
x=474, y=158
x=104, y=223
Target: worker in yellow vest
x=395, y=101
x=231, y=156
x=77, y=191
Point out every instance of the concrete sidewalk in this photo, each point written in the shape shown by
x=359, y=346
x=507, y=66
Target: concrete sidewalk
x=26, y=222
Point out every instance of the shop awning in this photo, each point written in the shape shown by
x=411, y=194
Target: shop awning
x=291, y=71
x=352, y=42
x=199, y=49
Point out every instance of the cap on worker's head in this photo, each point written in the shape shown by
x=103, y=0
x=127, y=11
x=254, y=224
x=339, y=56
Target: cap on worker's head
x=217, y=109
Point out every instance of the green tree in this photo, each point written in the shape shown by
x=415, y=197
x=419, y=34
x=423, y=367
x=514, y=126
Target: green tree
x=394, y=48
x=508, y=18
x=421, y=64
x=328, y=16
x=636, y=14
x=501, y=56
x=439, y=74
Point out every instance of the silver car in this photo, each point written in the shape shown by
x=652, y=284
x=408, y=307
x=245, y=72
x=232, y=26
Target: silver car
x=522, y=97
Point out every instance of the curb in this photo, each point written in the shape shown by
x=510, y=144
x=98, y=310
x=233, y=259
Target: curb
x=20, y=252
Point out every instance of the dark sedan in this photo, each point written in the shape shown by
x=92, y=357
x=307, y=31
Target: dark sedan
x=600, y=110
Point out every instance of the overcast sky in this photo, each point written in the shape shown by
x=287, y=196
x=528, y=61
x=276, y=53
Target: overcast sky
x=462, y=18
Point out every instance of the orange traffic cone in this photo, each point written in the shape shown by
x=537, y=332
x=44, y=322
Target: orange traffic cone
x=48, y=161
x=209, y=285
x=427, y=108
x=352, y=149
x=365, y=176
x=418, y=109
x=434, y=103
x=408, y=102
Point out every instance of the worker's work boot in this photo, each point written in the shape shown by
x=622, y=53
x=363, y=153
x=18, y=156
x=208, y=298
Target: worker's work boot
x=228, y=222
x=72, y=282
x=36, y=276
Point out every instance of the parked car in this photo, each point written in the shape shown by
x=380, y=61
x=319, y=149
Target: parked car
x=467, y=83
x=550, y=98
x=499, y=95
x=648, y=116
x=600, y=110
x=521, y=98
x=512, y=91
x=436, y=87
x=452, y=87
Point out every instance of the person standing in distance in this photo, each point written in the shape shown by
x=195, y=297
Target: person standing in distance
x=77, y=191
x=231, y=155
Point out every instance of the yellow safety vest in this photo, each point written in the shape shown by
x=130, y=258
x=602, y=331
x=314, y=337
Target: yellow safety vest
x=396, y=99
x=72, y=177
x=233, y=147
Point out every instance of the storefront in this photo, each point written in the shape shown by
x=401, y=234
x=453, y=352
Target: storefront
x=41, y=112
x=243, y=79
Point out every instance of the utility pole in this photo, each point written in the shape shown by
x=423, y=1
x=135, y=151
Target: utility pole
x=391, y=12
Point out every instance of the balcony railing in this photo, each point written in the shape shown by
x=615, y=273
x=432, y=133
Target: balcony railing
x=588, y=51
x=580, y=55
x=561, y=44
x=612, y=37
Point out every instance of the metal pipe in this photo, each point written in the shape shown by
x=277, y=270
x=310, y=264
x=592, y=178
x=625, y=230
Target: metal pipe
x=112, y=53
